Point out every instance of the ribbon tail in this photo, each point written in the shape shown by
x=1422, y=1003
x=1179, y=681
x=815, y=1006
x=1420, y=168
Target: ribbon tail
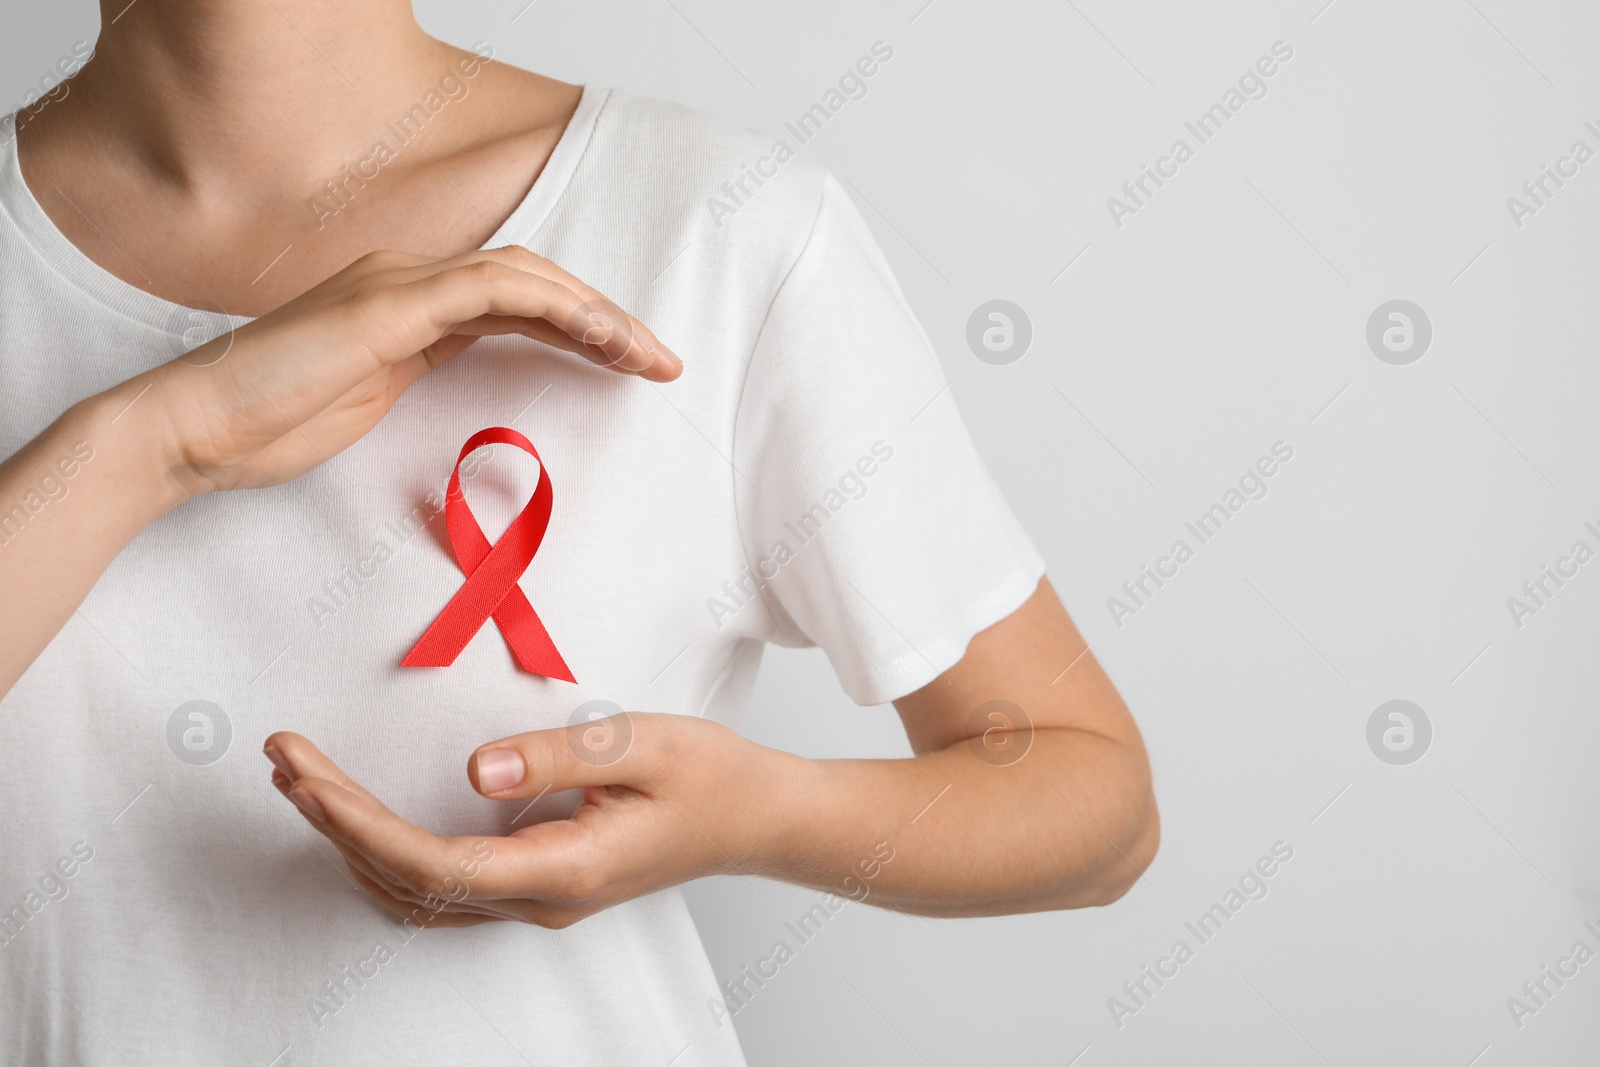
x=529, y=641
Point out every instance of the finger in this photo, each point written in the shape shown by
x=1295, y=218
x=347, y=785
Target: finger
x=415, y=913
x=380, y=882
x=408, y=371
x=338, y=806
x=604, y=331
x=544, y=333
x=405, y=853
x=458, y=894
x=616, y=750
x=296, y=756
x=524, y=259
x=463, y=288
x=416, y=865
x=498, y=877
x=457, y=901
x=552, y=864
x=463, y=293
x=384, y=261
x=603, y=327
x=359, y=863
x=539, y=913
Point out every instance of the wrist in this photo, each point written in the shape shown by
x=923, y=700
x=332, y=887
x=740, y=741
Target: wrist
x=777, y=819
x=142, y=462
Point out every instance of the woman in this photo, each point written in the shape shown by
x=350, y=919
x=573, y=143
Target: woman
x=218, y=544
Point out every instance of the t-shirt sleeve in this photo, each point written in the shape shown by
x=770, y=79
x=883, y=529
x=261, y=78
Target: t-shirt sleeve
x=870, y=526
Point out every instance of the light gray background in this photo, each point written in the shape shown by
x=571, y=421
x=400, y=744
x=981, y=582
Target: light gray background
x=1228, y=314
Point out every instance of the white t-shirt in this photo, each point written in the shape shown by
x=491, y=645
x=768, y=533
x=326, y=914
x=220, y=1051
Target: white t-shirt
x=806, y=482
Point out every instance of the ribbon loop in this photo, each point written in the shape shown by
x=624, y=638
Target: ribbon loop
x=491, y=589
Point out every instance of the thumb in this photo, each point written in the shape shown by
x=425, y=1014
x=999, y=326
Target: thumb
x=596, y=753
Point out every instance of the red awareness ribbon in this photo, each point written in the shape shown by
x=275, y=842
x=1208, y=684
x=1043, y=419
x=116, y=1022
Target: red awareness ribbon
x=491, y=588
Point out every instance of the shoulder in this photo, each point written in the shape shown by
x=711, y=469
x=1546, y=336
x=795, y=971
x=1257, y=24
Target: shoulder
x=753, y=193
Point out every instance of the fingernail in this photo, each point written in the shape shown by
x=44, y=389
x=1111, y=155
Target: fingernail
x=281, y=783
x=307, y=803
x=500, y=769
x=272, y=753
x=667, y=367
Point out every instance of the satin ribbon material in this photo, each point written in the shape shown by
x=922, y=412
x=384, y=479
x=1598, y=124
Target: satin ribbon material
x=491, y=589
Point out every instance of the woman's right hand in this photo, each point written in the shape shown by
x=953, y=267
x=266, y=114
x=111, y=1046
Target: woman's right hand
x=288, y=391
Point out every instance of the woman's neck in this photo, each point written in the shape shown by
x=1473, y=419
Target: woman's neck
x=236, y=152
x=194, y=92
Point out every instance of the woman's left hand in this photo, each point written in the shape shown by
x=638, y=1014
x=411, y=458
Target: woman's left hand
x=1029, y=790
x=655, y=813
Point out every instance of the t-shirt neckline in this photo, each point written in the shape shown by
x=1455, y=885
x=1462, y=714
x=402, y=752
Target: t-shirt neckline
x=22, y=209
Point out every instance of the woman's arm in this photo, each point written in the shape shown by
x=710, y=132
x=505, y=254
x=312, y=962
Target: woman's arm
x=992, y=816
x=1030, y=789
x=265, y=404
x=70, y=500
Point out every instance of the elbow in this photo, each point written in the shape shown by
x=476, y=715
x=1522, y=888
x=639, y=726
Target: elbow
x=1126, y=863
x=1131, y=858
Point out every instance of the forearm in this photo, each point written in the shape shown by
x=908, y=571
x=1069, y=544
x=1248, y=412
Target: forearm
x=1071, y=824
x=70, y=501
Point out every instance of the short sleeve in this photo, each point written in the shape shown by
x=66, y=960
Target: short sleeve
x=870, y=526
